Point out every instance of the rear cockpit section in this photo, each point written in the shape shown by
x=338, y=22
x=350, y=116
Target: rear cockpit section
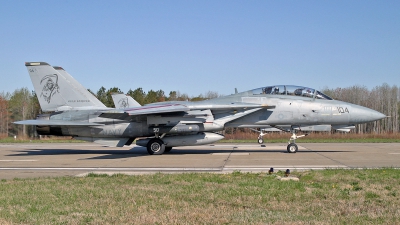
x=321, y=95
x=291, y=90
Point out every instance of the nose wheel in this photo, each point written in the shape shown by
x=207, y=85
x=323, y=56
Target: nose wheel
x=260, y=139
x=292, y=147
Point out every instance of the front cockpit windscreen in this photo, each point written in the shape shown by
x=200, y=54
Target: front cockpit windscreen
x=291, y=90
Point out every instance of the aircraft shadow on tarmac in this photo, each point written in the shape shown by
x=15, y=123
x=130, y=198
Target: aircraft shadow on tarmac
x=141, y=152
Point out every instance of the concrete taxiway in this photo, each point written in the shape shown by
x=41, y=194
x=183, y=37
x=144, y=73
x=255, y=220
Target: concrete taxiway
x=43, y=160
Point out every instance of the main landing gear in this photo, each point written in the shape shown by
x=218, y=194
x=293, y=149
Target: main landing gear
x=156, y=146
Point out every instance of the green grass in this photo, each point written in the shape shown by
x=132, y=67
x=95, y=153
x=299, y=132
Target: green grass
x=320, y=197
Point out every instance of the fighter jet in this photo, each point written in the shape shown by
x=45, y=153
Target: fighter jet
x=293, y=108
x=75, y=112
x=161, y=126
x=124, y=101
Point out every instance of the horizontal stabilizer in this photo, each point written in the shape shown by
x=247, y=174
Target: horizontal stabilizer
x=56, y=123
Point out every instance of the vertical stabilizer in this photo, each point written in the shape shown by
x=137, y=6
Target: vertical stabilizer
x=122, y=101
x=79, y=87
x=54, y=91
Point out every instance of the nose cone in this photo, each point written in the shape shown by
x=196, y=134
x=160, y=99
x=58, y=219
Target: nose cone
x=362, y=114
x=375, y=115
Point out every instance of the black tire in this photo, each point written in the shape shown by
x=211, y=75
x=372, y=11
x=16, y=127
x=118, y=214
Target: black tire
x=168, y=149
x=155, y=147
x=260, y=141
x=292, y=148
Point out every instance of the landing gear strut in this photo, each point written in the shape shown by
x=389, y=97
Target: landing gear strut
x=260, y=139
x=292, y=147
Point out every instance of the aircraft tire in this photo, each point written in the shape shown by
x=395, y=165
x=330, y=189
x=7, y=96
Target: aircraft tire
x=168, y=149
x=292, y=148
x=155, y=147
x=260, y=141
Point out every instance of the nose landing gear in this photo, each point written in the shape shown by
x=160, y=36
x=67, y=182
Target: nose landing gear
x=292, y=147
x=260, y=139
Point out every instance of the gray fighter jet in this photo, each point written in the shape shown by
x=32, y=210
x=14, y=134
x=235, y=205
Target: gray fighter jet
x=122, y=101
x=161, y=126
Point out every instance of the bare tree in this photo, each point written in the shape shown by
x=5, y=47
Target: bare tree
x=383, y=98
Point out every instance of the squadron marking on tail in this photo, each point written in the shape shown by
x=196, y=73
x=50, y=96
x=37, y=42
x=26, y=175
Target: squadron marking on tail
x=50, y=87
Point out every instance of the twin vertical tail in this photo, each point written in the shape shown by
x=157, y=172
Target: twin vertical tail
x=122, y=101
x=59, y=91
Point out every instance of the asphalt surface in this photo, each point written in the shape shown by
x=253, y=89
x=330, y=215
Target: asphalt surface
x=45, y=160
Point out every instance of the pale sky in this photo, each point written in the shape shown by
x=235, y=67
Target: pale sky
x=199, y=46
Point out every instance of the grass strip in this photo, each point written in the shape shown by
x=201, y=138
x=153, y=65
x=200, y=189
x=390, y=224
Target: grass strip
x=368, y=196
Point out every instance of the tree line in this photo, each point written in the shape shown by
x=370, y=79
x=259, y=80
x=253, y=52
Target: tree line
x=23, y=104
x=383, y=98
x=151, y=96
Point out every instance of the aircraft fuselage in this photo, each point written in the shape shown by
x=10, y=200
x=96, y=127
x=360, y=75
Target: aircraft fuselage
x=164, y=125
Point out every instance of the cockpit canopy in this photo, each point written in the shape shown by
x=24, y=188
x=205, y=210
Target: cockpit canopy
x=291, y=90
